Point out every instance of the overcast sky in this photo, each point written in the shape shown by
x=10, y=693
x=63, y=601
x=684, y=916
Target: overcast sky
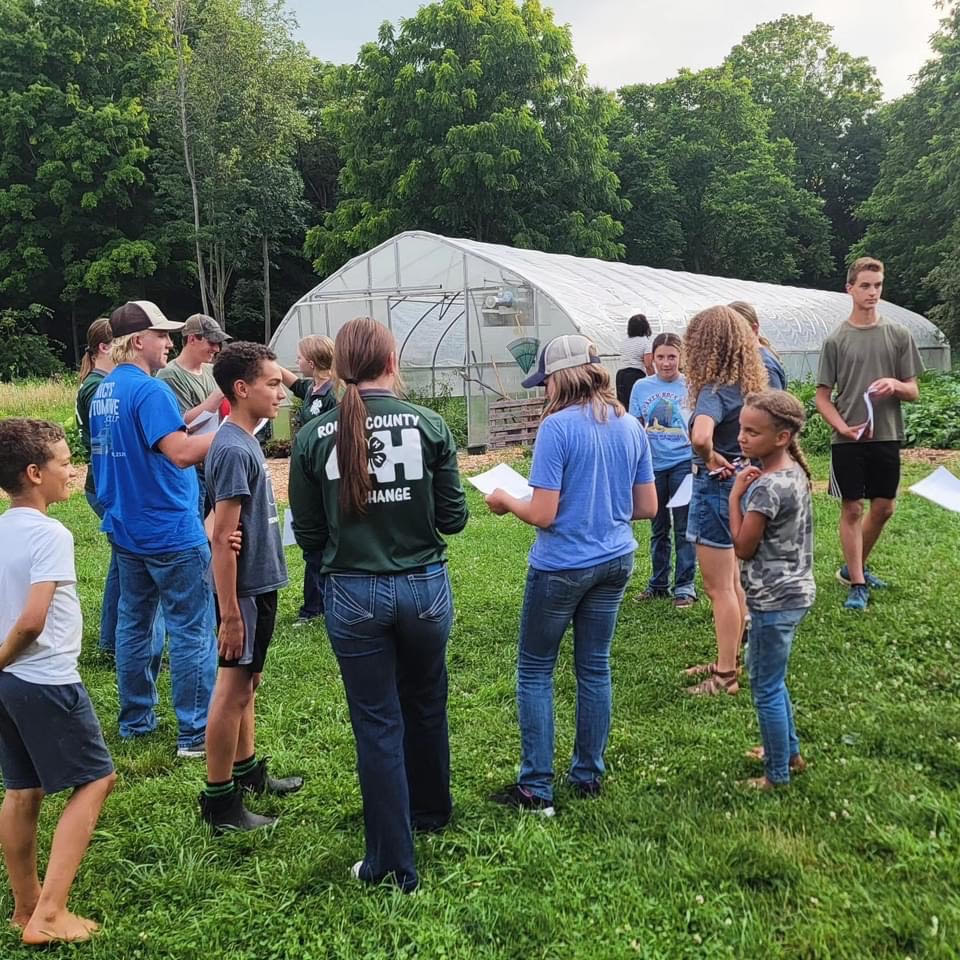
x=645, y=41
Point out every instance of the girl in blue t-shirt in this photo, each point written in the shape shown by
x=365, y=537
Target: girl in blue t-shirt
x=592, y=476
x=659, y=403
x=723, y=365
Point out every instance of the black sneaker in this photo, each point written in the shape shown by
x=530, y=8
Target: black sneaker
x=228, y=813
x=583, y=788
x=522, y=799
x=258, y=780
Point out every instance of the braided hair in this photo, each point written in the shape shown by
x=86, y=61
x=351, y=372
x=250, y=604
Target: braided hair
x=787, y=413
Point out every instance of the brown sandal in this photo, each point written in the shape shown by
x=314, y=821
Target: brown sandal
x=700, y=668
x=718, y=682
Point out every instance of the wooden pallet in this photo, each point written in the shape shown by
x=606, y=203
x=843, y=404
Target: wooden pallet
x=513, y=422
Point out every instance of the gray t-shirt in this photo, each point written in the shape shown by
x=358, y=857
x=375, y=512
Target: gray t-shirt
x=721, y=403
x=779, y=576
x=853, y=357
x=235, y=468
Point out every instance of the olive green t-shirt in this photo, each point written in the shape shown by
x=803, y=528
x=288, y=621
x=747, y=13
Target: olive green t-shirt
x=190, y=389
x=853, y=357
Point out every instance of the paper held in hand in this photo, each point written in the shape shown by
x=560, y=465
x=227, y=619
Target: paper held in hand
x=868, y=426
x=503, y=478
x=941, y=487
x=682, y=497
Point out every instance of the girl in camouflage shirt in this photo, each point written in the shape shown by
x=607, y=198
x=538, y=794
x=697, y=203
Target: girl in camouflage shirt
x=772, y=527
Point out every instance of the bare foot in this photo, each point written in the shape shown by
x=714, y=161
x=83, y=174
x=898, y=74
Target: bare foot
x=61, y=926
x=758, y=783
x=21, y=918
x=797, y=763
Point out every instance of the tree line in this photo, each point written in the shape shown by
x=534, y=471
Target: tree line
x=194, y=153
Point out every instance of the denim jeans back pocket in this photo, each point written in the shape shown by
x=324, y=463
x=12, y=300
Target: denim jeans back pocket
x=353, y=597
x=431, y=593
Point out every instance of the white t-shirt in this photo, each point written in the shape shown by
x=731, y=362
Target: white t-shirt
x=38, y=549
x=633, y=350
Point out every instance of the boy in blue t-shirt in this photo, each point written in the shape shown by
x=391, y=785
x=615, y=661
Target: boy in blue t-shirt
x=659, y=403
x=50, y=737
x=240, y=488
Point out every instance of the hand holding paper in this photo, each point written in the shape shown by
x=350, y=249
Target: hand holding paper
x=867, y=428
x=503, y=477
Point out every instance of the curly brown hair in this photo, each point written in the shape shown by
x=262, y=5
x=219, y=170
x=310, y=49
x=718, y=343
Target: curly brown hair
x=719, y=348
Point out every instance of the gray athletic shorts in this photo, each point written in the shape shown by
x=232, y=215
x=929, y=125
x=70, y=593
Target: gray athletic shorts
x=49, y=736
x=259, y=615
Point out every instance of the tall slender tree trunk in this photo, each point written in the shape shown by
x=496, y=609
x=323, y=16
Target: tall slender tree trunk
x=266, y=289
x=178, y=21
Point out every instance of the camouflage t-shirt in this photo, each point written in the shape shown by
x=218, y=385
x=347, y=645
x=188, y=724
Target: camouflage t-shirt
x=779, y=576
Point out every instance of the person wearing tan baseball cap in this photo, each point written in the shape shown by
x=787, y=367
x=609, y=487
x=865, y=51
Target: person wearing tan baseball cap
x=142, y=460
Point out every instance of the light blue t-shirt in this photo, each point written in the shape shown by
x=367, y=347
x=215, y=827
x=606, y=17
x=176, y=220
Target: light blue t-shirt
x=661, y=407
x=595, y=466
x=150, y=504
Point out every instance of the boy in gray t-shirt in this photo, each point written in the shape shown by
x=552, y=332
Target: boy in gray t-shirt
x=246, y=585
x=866, y=355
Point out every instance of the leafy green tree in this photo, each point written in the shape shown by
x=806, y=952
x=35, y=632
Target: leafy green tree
x=74, y=148
x=473, y=119
x=230, y=125
x=824, y=102
x=913, y=214
x=708, y=190
x=26, y=353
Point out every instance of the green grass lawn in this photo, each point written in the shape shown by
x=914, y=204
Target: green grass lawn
x=860, y=858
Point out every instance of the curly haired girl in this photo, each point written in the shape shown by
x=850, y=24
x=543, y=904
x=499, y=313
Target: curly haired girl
x=723, y=366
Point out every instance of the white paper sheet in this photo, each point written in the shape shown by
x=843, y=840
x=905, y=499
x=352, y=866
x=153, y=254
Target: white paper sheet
x=288, y=540
x=504, y=478
x=204, y=422
x=941, y=487
x=868, y=427
x=682, y=497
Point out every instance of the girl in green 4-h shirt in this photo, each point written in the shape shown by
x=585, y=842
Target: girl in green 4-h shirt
x=373, y=485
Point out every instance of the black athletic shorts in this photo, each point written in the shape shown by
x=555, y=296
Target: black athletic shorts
x=49, y=736
x=259, y=616
x=865, y=471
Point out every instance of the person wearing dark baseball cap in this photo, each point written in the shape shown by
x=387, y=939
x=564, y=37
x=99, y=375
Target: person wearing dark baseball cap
x=592, y=475
x=143, y=462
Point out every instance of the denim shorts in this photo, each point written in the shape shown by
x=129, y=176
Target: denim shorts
x=708, y=517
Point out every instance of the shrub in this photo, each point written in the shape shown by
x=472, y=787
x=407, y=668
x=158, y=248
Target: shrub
x=934, y=420
x=277, y=449
x=816, y=434
x=452, y=409
x=27, y=353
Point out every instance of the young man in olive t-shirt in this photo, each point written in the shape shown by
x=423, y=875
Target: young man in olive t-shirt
x=865, y=355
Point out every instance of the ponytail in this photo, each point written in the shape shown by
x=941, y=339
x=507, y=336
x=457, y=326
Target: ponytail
x=362, y=352
x=98, y=333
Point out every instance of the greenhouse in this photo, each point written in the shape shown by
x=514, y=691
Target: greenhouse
x=469, y=317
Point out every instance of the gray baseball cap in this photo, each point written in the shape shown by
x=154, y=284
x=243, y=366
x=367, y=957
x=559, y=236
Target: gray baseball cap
x=570, y=350
x=200, y=325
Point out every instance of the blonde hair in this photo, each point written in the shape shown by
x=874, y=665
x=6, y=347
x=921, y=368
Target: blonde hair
x=720, y=348
x=588, y=383
x=861, y=264
x=98, y=333
x=749, y=313
x=787, y=413
x=122, y=349
x=318, y=350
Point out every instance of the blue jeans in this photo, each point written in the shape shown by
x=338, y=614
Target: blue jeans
x=389, y=633
x=667, y=483
x=181, y=583
x=111, y=598
x=312, y=585
x=708, y=516
x=771, y=637
x=590, y=598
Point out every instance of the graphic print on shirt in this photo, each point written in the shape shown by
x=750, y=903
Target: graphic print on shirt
x=386, y=451
x=105, y=405
x=663, y=413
